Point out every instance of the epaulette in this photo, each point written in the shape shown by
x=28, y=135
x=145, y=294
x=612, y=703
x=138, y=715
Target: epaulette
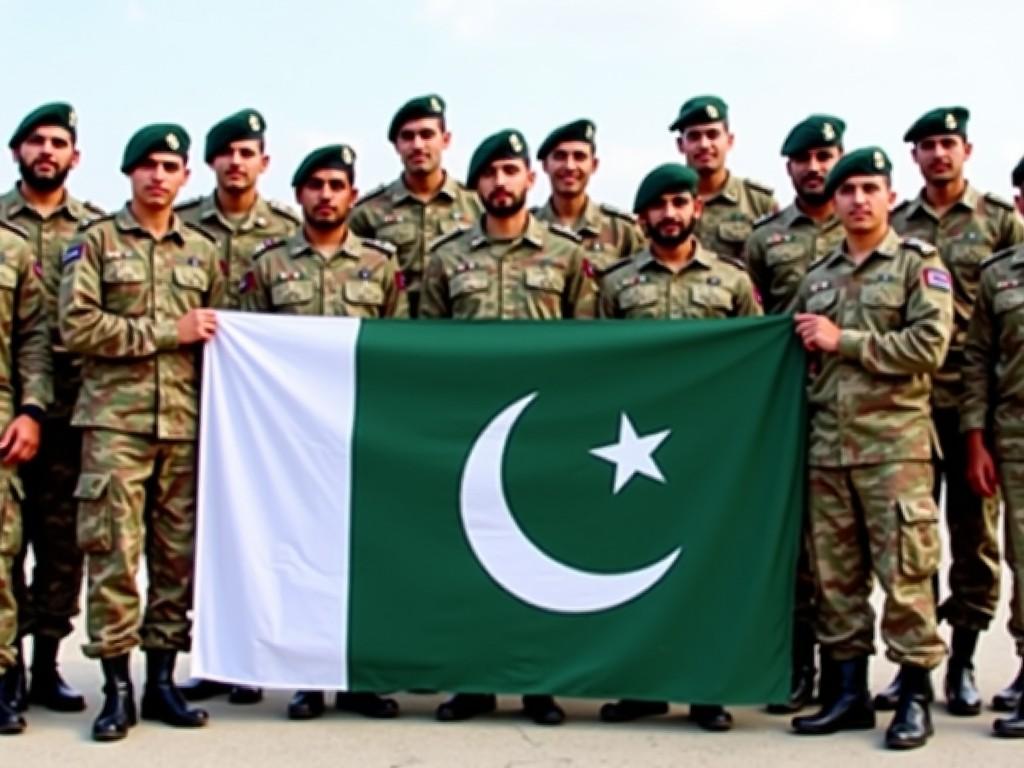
x=759, y=187
x=196, y=228
x=190, y=203
x=446, y=237
x=615, y=266
x=998, y=256
x=611, y=210
x=85, y=224
x=558, y=229
x=766, y=218
x=285, y=210
x=899, y=207
x=268, y=245
x=93, y=208
x=998, y=202
x=381, y=245
x=919, y=245
x=10, y=225
x=732, y=261
x=373, y=193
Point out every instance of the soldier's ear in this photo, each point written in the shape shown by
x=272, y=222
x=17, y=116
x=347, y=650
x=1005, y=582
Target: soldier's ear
x=597, y=163
x=446, y=139
x=968, y=149
x=75, y=157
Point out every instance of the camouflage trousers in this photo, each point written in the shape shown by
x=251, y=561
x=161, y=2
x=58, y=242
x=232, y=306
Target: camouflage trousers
x=1011, y=476
x=876, y=519
x=137, y=496
x=973, y=524
x=47, y=604
x=10, y=545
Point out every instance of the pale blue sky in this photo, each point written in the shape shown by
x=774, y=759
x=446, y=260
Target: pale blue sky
x=336, y=71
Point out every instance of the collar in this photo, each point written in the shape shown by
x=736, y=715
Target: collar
x=588, y=223
x=14, y=203
x=534, y=234
x=969, y=199
x=888, y=248
x=258, y=216
x=399, y=192
x=791, y=216
x=732, y=190
x=702, y=257
x=126, y=222
x=297, y=245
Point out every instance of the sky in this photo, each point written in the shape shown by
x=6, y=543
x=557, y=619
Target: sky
x=324, y=72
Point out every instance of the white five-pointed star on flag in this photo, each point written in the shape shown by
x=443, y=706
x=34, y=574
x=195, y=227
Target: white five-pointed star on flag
x=632, y=454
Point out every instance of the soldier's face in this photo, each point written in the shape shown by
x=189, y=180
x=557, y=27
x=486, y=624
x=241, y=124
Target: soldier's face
x=326, y=198
x=941, y=158
x=240, y=165
x=670, y=221
x=862, y=203
x=706, y=146
x=46, y=157
x=808, y=170
x=570, y=166
x=420, y=145
x=503, y=186
x=157, y=180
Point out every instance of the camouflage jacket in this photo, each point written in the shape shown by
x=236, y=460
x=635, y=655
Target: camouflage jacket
x=391, y=213
x=606, y=233
x=25, y=364
x=966, y=234
x=869, y=401
x=540, y=275
x=238, y=241
x=709, y=286
x=730, y=213
x=360, y=280
x=781, y=249
x=993, y=372
x=121, y=297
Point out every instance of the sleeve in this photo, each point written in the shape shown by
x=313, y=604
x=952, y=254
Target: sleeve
x=920, y=345
x=633, y=239
x=31, y=337
x=218, y=283
x=979, y=363
x=434, y=300
x=396, y=300
x=359, y=221
x=1013, y=231
x=87, y=328
x=253, y=290
x=754, y=260
x=747, y=304
x=580, y=299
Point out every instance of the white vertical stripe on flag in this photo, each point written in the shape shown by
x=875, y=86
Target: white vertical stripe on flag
x=275, y=480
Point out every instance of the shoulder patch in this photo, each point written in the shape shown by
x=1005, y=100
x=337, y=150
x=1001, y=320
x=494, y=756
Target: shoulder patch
x=732, y=261
x=267, y=245
x=611, y=210
x=766, y=218
x=74, y=253
x=190, y=203
x=381, y=245
x=998, y=202
x=558, y=229
x=919, y=245
x=373, y=193
x=759, y=187
x=446, y=238
x=196, y=228
x=998, y=256
x=284, y=210
x=12, y=227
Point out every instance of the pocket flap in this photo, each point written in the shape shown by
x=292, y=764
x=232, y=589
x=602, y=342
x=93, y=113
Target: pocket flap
x=735, y=231
x=291, y=292
x=363, y=292
x=882, y=295
x=1007, y=300
x=544, y=279
x=919, y=510
x=124, y=270
x=91, y=485
x=711, y=296
x=192, y=277
x=782, y=253
x=638, y=296
x=822, y=300
x=469, y=282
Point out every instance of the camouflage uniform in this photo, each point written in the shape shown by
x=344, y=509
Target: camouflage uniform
x=291, y=277
x=239, y=240
x=25, y=380
x=541, y=275
x=607, y=234
x=122, y=295
x=993, y=400
x=782, y=248
x=709, y=286
x=391, y=213
x=729, y=215
x=870, y=448
x=965, y=235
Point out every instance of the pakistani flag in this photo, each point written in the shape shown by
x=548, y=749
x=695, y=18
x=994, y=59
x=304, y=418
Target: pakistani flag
x=594, y=509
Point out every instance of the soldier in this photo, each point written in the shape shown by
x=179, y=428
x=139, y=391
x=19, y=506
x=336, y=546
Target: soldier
x=966, y=227
x=24, y=369
x=44, y=147
x=422, y=204
x=1017, y=179
x=135, y=302
x=777, y=256
x=876, y=317
x=674, y=277
x=731, y=204
x=507, y=266
x=242, y=222
x=325, y=270
x=992, y=419
x=569, y=158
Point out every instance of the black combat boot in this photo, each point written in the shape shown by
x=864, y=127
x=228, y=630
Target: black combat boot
x=12, y=685
x=201, y=689
x=463, y=706
x=306, y=705
x=367, y=704
x=886, y=699
x=801, y=692
x=543, y=710
x=245, y=695
x=1008, y=698
x=118, y=712
x=11, y=723
x=1011, y=727
x=911, y=726
x=710, y=717
x=48, y=687
x=846, y=706
x=962, y=697
x=161, y=699
x=627, y=710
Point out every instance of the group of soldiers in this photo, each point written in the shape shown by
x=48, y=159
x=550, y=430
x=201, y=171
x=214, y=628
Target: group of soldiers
x=912, y=317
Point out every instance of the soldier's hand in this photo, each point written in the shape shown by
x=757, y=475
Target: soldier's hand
x=20, y=440
x=818, y=333
x=197, y=325
x=981, y=468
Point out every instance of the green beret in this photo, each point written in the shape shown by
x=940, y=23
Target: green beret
x=500, y=146
x=430, y=105
x=670, y=177
x=58, y=113
x=336, y=156
x=700, y=110
x=937, y=122
x=158, y=137
x=578, y=130
x=1017, y=176
x=815, y=132
x=869, y=161
x=245, y=124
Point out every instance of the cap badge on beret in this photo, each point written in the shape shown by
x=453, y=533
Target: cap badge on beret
x=951, y=121
x=515, y=142
x=72, y=118
x=712, y=111
x=828, y=133
x=254, y=121
x=346, y=156
x=879, y=160
x=435, y=105
x=172, y=142
x=589, y=132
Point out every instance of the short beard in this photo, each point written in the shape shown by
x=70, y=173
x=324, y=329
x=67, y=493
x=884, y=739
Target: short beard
x=505, y=211
x=325, y=225
x=673, y=241
x=42, y=183
x=813, y=199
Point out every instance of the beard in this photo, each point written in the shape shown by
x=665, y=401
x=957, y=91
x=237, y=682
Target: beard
x=42, y=183
x=325, y=224
x=505, y=210
x=671, y=241
x=813, y=199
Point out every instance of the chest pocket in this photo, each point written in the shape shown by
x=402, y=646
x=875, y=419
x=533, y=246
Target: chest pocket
x=882, y=296
x=821, y=302
x=717, y=300
x=363, y=292
x=400, y=233
x=193, y=278
x=637, y=297
x=544, y=279
x=783, y=253
x=968, y=252
x=735, y=231
x=1005, y=301
x=288, y=292
x=125, y=286
x=469, y=282
x=8, y=277
x=124, y=271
